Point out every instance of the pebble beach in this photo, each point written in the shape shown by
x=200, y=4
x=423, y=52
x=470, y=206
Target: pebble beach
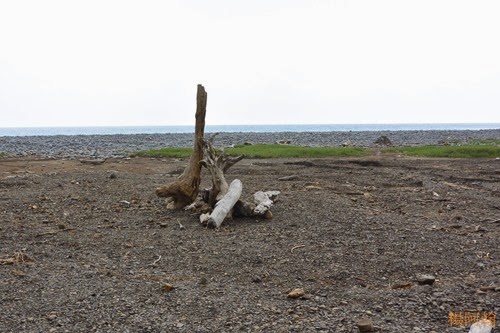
x=120, y=145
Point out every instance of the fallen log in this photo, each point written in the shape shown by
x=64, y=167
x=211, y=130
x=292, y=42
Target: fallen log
x=224, y=206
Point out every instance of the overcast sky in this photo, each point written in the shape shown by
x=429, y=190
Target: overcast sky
x=102, y=63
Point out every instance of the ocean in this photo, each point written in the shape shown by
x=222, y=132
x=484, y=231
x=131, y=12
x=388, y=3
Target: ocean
x=105, y=130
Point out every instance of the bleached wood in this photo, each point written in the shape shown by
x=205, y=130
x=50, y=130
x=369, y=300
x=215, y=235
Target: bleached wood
x=264, y=201
x=225, y=204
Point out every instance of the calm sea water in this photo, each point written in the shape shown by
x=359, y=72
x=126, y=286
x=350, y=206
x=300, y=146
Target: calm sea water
x=31, y=131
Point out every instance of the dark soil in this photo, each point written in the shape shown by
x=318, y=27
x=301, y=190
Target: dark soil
x=81, y=251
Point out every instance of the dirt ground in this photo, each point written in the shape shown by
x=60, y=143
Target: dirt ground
x=88, y=248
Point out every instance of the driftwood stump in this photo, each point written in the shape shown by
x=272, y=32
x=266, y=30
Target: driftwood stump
x=184, y=190
x=222, y=200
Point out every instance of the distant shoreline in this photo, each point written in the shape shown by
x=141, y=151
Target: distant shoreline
x=115, y=130
x=119, y=145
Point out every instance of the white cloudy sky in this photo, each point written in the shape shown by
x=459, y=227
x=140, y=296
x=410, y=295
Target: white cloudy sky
x=91, y=63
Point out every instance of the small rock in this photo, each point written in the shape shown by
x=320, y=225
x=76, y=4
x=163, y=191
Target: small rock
x=347, y=143
x=268, y=215
x=113, y=175
x=296, y=293
x=124, y=203
x=256, y=279
x=167, y=287
x=52, y=317
x=287, y=178
x=425, y=279
x=365, y=325
x=203, y=281
x=402, y=285
x=383, y=141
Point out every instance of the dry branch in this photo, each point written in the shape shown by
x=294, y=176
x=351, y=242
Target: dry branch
x=217, y=163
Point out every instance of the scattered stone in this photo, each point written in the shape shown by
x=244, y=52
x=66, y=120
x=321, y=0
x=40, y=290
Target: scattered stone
x=283, y=142
x=52, y=317
x=479, y=228
x=383, y=141
x=256, y=279
x=287, y=178
x=113, y=175
x=425, y=279
x=167, y=287
x=365, y=325
x=268, y=215
x=347, y=143
x=203, y=281
x=402, y=285
x=125, y=203
x=296, y=293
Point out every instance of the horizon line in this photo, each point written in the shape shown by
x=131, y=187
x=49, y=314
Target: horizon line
x=248, y=125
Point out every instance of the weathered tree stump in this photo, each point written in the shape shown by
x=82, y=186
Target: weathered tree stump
x=184, y=190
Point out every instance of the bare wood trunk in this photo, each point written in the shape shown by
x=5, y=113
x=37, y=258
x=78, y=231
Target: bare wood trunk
x=224, y=206
x=185, y=189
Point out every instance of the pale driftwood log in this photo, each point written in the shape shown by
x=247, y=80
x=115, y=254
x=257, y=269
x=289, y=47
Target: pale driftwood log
x=225, y=205
x=263, y=201
x=184, y=190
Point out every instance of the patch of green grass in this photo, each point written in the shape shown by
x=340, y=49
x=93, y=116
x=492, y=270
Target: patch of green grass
x=491, y=142
x=468, y=151
x=275, y=151
x=165, y=152
x=262, y=151
x=2, y=154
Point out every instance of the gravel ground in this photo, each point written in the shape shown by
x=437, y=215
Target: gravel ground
x=61, y=146
x=87, y=248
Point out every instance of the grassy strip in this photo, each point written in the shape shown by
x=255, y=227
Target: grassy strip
x=165, y=152
x=469, y=151
x=274, y=151
x=2, y=154
x=262, y=151
x=492, y=142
